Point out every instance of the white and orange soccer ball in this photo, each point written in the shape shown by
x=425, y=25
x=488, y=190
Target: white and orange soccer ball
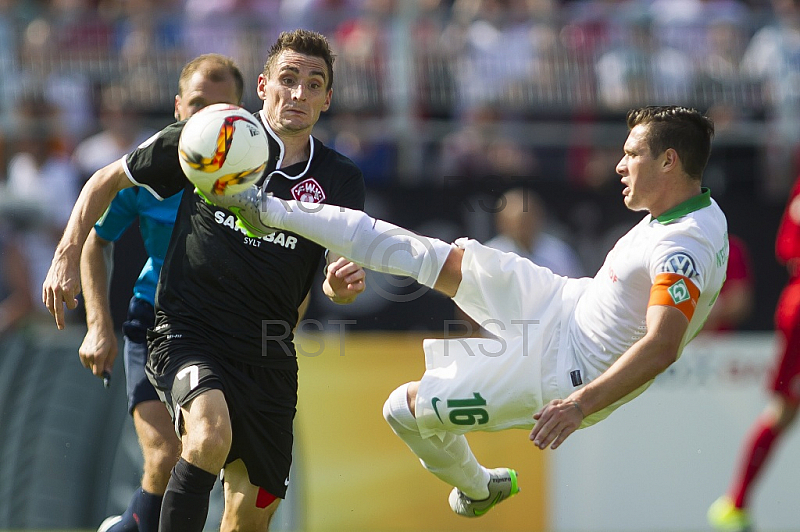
x=223, y=149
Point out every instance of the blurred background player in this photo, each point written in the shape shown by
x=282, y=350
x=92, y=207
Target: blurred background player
x=736, y=299
x=730, y=512
x=154, y=428
x=522, y=228
x=521, y=222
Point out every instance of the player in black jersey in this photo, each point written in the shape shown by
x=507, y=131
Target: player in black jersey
x=205, y=79
x=221, y=352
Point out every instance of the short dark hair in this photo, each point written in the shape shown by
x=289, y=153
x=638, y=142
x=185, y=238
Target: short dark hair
x=304, y=42
x=215, y=67
x=686, y=130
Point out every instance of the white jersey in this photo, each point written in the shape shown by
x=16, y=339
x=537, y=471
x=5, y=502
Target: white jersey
x=678, y=259
x=553, y=335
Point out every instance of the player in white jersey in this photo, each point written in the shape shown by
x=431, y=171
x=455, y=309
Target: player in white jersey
x=565, y=352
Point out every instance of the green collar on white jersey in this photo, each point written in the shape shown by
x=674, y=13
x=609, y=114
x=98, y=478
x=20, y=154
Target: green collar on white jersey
x=692, y=204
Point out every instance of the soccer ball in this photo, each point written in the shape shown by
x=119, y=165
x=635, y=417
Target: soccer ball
x=223, y=149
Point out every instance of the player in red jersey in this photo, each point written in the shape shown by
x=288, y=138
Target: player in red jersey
x=737, y=297
x=729, y=512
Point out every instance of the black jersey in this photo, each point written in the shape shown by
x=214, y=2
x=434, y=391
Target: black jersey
x=222, y=288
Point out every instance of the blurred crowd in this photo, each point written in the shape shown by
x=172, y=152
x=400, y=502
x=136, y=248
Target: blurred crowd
x=523, y=90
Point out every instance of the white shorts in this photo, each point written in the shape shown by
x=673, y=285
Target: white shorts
x=495, y=383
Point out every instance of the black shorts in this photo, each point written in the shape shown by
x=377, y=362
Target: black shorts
x=262, y=402
x=140, y=317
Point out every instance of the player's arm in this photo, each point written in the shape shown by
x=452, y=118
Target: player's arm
x=99, y=348
x=639, y=365
x=62, y=284
x=344, y=280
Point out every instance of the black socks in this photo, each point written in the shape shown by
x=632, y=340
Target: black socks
x=185, y=505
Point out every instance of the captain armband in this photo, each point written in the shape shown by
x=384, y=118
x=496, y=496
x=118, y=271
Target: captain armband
x=675, y=290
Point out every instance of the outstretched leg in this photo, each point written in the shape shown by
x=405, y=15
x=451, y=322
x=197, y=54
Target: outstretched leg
x=477, y=489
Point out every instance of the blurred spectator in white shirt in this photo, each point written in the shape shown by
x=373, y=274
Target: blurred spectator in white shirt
x=522, y=227
x=773, y=58
x=121, y=132
x=639, y=69
x=41, y=189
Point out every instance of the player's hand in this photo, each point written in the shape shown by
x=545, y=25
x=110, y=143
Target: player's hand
x=61, y=287
x=98, y=351
x=557, y=420
x=344, y=281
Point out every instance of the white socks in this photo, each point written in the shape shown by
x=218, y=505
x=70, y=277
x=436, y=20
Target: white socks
x=372, y=243
x=450, y=459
